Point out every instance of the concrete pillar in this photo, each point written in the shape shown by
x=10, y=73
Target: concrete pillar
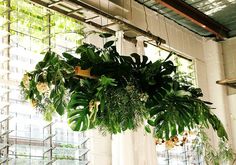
x=217, y=93
x=229, y=55
x=99, y=145
x=122, y=144
x=140, y=45
x=144, y=146
x=120, y=42
x=99, y=148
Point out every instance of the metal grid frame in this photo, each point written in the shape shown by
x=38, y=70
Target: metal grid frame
x=8, y=137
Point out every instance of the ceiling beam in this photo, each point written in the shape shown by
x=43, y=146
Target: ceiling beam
x=189, y=12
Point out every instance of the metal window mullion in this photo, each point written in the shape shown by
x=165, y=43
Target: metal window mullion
x=49, y=45
x=6, y=53
x=49, y=31
x=48, y=39
x=50, y=142
x=49, y=139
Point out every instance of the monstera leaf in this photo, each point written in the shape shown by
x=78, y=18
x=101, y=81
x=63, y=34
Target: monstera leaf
x=78, y=119
x=78, y=112
x=175, y=111
x=58, y=99
x=139, y=61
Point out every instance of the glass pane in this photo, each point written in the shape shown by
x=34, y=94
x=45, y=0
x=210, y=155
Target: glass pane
x=32, y=139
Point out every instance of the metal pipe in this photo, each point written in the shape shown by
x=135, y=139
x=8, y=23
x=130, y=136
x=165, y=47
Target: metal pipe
x=115, y=19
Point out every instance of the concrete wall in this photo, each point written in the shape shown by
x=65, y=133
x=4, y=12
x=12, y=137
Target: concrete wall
x=217, y=94
x=229, y=62
x=229, y=52
x=137, y=148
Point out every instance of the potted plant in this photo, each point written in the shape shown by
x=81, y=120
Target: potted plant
x=117, y=92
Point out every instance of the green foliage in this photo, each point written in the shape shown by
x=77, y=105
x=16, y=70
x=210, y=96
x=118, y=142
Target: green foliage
x=60, y=157
x=67, y=146
x=123, y=110
x=105, y=35
x=79, y=110
x=127, y=91
x=222, y=154
x=174, y=110
x=45, y=86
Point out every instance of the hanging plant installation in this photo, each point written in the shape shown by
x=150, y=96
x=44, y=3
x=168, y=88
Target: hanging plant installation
x=115, y=93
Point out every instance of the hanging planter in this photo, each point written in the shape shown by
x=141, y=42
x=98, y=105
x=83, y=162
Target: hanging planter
x=102, y=89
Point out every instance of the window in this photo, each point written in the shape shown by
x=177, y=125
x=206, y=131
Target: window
x=185, y=65
x=25, y=138
x=185, y=153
